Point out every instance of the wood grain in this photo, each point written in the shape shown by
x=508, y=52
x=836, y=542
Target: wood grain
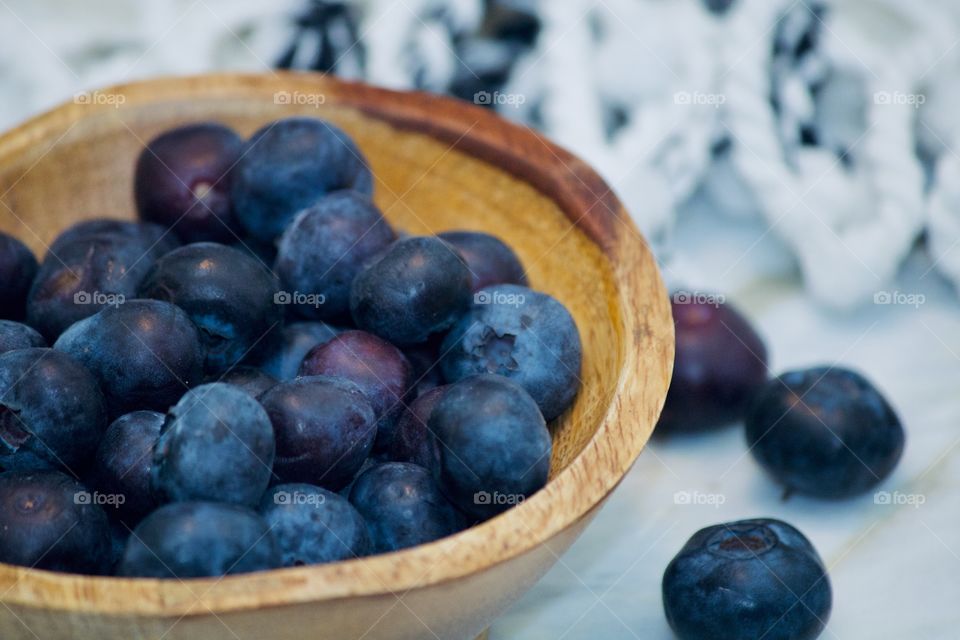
x=440, y=164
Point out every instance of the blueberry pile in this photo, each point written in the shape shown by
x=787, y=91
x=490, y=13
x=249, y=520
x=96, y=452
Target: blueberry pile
x=262, y=372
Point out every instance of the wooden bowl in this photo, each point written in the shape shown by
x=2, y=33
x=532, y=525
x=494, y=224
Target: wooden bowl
x=439, y=164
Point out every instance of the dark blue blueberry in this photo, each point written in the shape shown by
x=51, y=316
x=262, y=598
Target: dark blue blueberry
x=376, y=366
x=199, y=539
x=182, y=181
x=488, y=258
x=52, y=413
x=94, y=265
x=718, y=7
x=747, y=580
x=144, y=353
x=14, y=335
x=493, y=443
x=50, y=521
x=324, y=249
x=719, y=365
x=403, y=506
x=825, y=432
x=413, y=441
x=252, y=380
x=18, y=268
x=228, y=295
x=216, y=444
x=292, y=344
x=521, y=334
x=325, y=428
x=313, y=525
x=417, y=287
x=124, y=461
x=287, y=166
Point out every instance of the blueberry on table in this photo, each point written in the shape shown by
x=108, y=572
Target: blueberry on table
x=826, y=432
x=746, y=580
x=719, y=364
x=216, y=445
x=252, y=380
x=49, y=521
x=325, y=428
x=199, y=539
x=124, y=462
x=287, y=166
x=521, y=334
x=488, y=258
x=413, y=441
x=95, y=265
x=417, y=287
x=376, y=366
x=324, y=249
x=292, y=344
x=228, y=294
x=14, y=335
x=182, y=181
x=18, y=268
x=52, y=412
x=403, y=506
x=312, y=525
x=144, y=353
x=493, y=443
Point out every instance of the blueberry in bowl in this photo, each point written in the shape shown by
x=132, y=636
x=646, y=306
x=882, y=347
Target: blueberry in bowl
x=18, y=267
x=15, y=335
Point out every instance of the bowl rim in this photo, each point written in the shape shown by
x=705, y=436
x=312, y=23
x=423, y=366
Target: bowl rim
x=645, y=328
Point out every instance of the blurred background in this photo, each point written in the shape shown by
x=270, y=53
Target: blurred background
x=799, y=159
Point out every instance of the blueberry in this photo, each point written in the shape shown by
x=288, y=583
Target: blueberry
x=313, y=525
x=719, y=365
x=413, y=441
x=493, y=443
x=325, y=428
x=718, y=7
x=14, y=335
x=124, y=461
x=49, y=521
x=747, y=580
x=144, y=353
x=292, y=344
x=417, y=287
x=287, y=166
x=199, y=539
x=324, y=249
x=52, y=413
x=376, y=366
x=403, y=506
x=153, y=237
x=93, y=270
x=252, y=380
x=228, y=295
x=521, y=334
x=826, y=432
x=18, y=268
x=216, y=444
x=488, y=258
x=182, y=181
